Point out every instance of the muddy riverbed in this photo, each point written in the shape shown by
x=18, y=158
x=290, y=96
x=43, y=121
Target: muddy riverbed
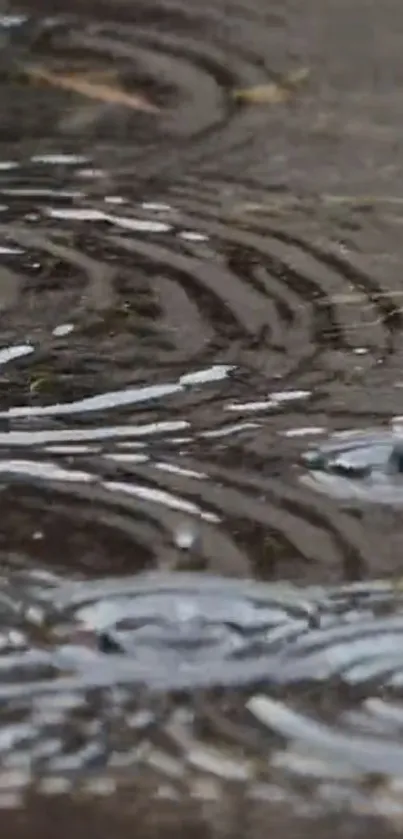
x=201, y=419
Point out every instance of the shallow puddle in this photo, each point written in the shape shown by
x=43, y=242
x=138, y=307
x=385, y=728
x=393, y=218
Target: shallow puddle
x=200, y=419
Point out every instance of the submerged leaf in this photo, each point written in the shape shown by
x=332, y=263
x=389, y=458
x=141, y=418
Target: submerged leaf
x=272, y=93
x=84, y=86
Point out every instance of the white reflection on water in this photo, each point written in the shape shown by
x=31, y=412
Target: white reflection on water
x=128, y=396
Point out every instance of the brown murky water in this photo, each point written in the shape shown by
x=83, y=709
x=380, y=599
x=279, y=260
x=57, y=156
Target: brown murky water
x=200, y=281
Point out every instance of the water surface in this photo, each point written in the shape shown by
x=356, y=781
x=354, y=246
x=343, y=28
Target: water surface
x=194, y=292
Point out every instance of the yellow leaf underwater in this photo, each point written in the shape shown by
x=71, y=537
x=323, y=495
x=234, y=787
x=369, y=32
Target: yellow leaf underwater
x=92, y=89
x=272, y=93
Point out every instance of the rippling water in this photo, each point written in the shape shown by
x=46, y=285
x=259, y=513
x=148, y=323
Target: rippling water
x=201, y=420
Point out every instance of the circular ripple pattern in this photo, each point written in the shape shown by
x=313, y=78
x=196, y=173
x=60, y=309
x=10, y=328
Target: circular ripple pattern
x=228, y=339
x=352, y=719
x=170, y=341
x=190, y=631
x=179, y=67
x=78, y=662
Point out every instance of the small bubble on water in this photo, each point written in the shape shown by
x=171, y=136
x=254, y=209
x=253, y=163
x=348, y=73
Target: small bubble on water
x=185, y=536
x=35, y=615
x=63, y=329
